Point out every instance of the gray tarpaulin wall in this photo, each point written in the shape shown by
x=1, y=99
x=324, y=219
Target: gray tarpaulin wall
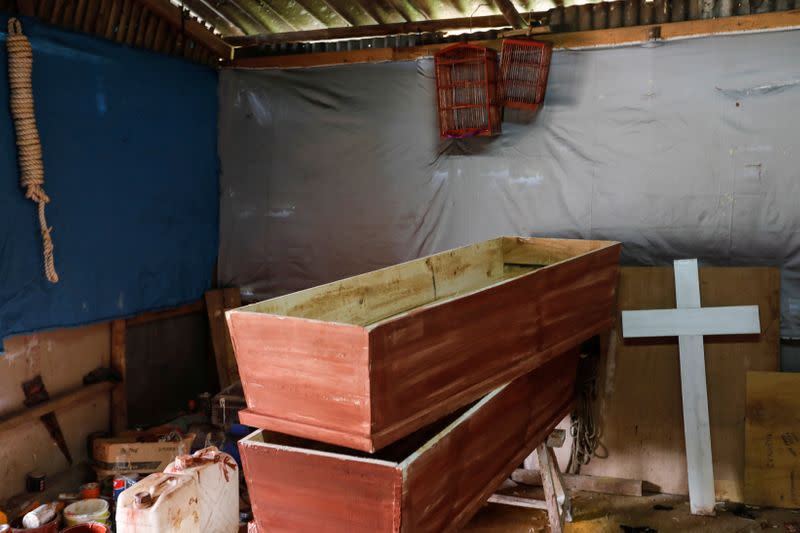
x=688, y=149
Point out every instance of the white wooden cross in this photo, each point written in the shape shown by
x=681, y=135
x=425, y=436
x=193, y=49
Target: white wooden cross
x=689, y=322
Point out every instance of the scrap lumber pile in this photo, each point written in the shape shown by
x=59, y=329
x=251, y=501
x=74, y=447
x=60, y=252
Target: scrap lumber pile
x=400, y=399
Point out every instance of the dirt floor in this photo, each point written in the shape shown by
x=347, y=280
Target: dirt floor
x=599, y=513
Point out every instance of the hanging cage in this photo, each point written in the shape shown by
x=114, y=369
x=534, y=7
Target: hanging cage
x=524, y=66
x=466, y=87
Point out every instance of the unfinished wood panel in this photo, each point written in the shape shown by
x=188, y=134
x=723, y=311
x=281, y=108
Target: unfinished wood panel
x=89, y=20
x=62, y=402
x=358, y=300
x=217, y=301
x=466, y=269
x=772, y=446
x=167, y=366
x=538, y=251
x=119, y=396
x=432, y=481
x=29, y=448
x=601, y=484
x=62, y=357
x=641, y=417
x=133, y=23
x=561, y=40
x=113, y=19
x=422, y=363
x=124, y=21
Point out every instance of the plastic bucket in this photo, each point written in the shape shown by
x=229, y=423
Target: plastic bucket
x=87, y=511
x=93, y=527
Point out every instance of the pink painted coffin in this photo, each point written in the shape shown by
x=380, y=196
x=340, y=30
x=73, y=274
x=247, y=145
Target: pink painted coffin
x=433, y=481
x=365, y=361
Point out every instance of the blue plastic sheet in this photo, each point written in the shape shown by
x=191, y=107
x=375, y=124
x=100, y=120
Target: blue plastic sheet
x=129, y=142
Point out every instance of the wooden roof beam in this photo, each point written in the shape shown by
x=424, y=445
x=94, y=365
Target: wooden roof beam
x=377, y=30
x=173, y=14
x=510, y=13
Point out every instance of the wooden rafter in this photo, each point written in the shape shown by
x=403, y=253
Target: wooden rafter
x=309, y=6
x=510, y=13
x=782, y=20
x=375, y=30
x=194, y=29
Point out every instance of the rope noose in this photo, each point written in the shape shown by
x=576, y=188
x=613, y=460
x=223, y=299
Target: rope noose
x=20, y=66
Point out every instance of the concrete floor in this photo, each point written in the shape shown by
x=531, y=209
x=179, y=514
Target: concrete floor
x=599, y=513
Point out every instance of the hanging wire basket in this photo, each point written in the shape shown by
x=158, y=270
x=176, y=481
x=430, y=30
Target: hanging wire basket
x=466, y=87
x=524, y=66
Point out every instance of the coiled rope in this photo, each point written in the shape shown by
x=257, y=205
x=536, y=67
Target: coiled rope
x=20, y=66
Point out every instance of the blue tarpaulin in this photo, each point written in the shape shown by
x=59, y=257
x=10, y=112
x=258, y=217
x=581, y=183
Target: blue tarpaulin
x=130, y=157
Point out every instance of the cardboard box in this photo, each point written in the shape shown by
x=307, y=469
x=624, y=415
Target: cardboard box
x=139, y=452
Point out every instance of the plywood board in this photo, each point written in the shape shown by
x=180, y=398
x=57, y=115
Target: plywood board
x=772, y=447
x=640, y=393
x=62, y=357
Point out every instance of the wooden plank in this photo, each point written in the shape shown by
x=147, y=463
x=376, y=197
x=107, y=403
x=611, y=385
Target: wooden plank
x=548, y=484
x=374, y=30
x=163, y=314
x=195, y=30
x=642, y=418
x=420, y=364
x=772, y=439
x=600, y=484
x=510, y=13
x=694, y=396
x=119, y=394
x=518, y=501
x=779, y=20
x=59, y=403
x=691, y=322
x=217, y=301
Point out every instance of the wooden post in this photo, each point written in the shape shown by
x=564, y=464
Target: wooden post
x=549, y=486
x=119, y=394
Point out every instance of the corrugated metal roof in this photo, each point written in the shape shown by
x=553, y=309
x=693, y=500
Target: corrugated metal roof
x=235, y=18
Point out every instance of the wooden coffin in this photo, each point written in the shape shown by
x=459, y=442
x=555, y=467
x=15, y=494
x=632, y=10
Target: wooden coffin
x=431, y=481
x=367, y=360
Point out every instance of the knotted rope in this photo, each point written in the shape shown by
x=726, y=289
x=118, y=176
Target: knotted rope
x=20, y=66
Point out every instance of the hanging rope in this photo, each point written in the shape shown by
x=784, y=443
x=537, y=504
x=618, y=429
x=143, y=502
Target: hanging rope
x=20, y=66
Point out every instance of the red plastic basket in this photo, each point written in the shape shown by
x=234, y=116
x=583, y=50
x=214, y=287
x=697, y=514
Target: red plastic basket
x=466, y=87
x=524, y=66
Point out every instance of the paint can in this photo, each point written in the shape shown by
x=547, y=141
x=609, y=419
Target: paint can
x=35, y=482
x=90, y=491
x=122, y=482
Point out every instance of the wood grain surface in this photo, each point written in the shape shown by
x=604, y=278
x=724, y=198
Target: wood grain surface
x=640, y=390
x=432, y=481
x=369, y=370
x=772, y=439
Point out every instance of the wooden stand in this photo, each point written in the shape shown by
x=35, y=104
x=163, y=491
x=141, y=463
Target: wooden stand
x=556, y=497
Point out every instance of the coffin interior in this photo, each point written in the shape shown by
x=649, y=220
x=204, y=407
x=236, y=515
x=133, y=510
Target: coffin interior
x=369, y=298
x=396, y=453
